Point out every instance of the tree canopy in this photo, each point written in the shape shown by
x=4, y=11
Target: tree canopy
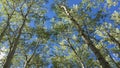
x=60, y=34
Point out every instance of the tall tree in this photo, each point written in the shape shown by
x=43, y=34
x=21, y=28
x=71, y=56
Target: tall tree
x=83, y=33
x=17, y=15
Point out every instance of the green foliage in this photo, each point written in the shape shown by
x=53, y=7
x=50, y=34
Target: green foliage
x=63, y=45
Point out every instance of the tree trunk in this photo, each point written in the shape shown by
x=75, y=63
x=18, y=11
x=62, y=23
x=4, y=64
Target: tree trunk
x=96, y=51
x=6, y=27
x=12, y=51
x=114, y=40
x=87, y=40
x=117, y=65
x=3, y=32
x=30, y=58
x=79, y=59
x=26, y=64
x=9, y=58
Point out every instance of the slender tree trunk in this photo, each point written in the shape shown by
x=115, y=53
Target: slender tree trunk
x=114, y=40
x=96, y=51
x=9, y=57
x=12, y=51
x=3, y=32
x=111, y=57
x=88, y=41
x=7, y=65
x=6, y=27
x=80, y=60
x=30, y=58
x=26, y=64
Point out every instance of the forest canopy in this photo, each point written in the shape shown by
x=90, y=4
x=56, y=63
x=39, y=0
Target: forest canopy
x=59, y=33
